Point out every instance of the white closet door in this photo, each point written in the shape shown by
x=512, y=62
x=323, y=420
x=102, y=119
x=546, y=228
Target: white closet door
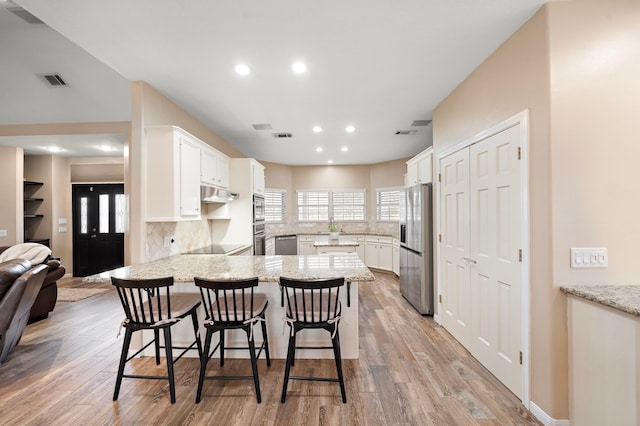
x=495, y=204
x=454, y=202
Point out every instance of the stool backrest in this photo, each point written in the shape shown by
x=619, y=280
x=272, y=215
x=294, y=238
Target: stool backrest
x=312, y=301
x=145, y=301
x=227, y=301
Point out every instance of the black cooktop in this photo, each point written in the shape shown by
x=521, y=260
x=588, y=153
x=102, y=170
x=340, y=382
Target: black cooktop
x=216, y=249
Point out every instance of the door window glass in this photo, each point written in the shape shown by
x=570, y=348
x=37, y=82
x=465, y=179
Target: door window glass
x=104, y=213
x=120, y=213
x=83, y=215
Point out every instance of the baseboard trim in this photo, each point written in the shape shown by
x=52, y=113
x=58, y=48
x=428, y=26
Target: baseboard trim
x=546, y=419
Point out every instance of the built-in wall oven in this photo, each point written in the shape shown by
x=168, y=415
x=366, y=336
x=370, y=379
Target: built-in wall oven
x=258, y=226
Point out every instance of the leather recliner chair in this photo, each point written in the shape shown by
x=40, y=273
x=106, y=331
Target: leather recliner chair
x=19, y=287
x=48, y=295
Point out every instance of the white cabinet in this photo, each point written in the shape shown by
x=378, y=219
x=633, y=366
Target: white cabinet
x=269, y=247
x=396, y=256
x=335, y=249
x=257, y=172
x=172, y=178
x=379, y=252
x=360, y=249
x=305, y=245
x=214, y=167
x=420, y=168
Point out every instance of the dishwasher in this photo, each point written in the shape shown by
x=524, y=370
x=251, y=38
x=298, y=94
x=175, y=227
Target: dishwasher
x=286, y=245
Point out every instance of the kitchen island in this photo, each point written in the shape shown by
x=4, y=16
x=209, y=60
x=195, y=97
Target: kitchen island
x=268, y=269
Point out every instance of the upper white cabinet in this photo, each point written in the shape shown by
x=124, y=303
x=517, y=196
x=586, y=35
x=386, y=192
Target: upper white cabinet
x=420, y=168
x=257, y=171
x=214, y=167
x=172, y=178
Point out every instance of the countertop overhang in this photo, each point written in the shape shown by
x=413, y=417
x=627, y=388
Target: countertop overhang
x=625, y=298
x=184, y=267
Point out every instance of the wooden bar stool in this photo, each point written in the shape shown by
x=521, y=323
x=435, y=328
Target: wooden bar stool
x=232, y=305
x=149, y=305
x=312, y=304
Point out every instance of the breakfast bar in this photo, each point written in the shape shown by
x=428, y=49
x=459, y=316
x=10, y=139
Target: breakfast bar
x=183, y=268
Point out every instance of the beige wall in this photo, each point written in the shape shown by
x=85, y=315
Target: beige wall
x=97, y=169
x=513, y=79
x=62, y=242
x=11, y=194
x=595, y=69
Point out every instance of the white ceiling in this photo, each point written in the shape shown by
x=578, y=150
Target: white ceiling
x=375, y=64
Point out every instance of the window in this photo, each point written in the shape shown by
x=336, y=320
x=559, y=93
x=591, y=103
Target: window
x=274, y=205
x=313, y=205
x=348, y=205
x=388, y=204
x=342, y=206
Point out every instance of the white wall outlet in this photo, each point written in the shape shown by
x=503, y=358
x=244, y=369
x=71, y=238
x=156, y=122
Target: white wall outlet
x=595, y=257
x=62, y=229
x=62, y=221
x=167, y=241
x=3, y=232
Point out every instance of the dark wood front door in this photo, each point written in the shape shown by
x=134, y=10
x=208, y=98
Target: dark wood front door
x=99, y=218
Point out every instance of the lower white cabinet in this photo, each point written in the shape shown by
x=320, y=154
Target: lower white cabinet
x=396, y=256
x=305, y=245
x=379, y=252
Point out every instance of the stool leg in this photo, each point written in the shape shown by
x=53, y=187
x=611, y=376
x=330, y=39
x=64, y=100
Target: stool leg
x=204, y=358
x=289, y=362
x=222, y=348
x=336, y=353
x=254, y=364
x=123, y=361
x=156, y=336
x=168, y=349
x=194, y=320
x=266, y=341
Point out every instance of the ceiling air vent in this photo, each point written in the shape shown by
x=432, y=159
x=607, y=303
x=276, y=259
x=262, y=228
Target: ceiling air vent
x=406, y=132
x=282, y=135
x=54, y=80
x=420, y=123
x=23, y=14
x=263, y=126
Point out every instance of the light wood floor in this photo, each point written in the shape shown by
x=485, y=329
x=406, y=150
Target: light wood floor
x=410, y=371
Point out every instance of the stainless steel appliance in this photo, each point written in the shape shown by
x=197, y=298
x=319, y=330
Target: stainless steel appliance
x=286, y=245
x=259, y=237
x=210, y=194
x=416, y=247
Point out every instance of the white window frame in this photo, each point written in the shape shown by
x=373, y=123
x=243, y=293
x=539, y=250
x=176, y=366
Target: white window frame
x=380, y=205
x=305, y=209
x=330, y=205
x=282, y=208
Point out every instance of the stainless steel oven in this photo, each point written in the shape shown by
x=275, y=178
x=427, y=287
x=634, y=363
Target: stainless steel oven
x=258, y=208
x=259, y=244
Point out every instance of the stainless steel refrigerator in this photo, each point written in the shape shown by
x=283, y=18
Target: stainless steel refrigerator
x=416, y=247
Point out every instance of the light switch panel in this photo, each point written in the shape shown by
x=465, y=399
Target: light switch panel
x=3, y=232
x=589, y=257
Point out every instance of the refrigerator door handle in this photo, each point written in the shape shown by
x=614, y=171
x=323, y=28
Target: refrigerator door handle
x=469, y=260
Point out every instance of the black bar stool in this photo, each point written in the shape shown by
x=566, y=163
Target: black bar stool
x=312, y=304
x=232, y=305
x=149, y=305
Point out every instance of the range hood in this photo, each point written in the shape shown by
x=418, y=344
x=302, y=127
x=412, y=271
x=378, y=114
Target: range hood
x=210, y=194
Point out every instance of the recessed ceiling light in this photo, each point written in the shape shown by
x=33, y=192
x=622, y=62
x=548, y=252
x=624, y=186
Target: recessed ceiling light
x=53, y=149
x=242, y=69
x=317, y=129
x=350, y=129
x=319, y=149
x=299, y=67
x=330, y=161
x=344, y=149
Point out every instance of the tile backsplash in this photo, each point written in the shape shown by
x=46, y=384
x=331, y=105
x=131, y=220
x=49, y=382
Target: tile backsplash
x=377, y=228
x=188, y=235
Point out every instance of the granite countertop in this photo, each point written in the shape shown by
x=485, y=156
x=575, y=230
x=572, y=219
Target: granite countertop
x=621, y=297
x=341, y=241
x=184, y=267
